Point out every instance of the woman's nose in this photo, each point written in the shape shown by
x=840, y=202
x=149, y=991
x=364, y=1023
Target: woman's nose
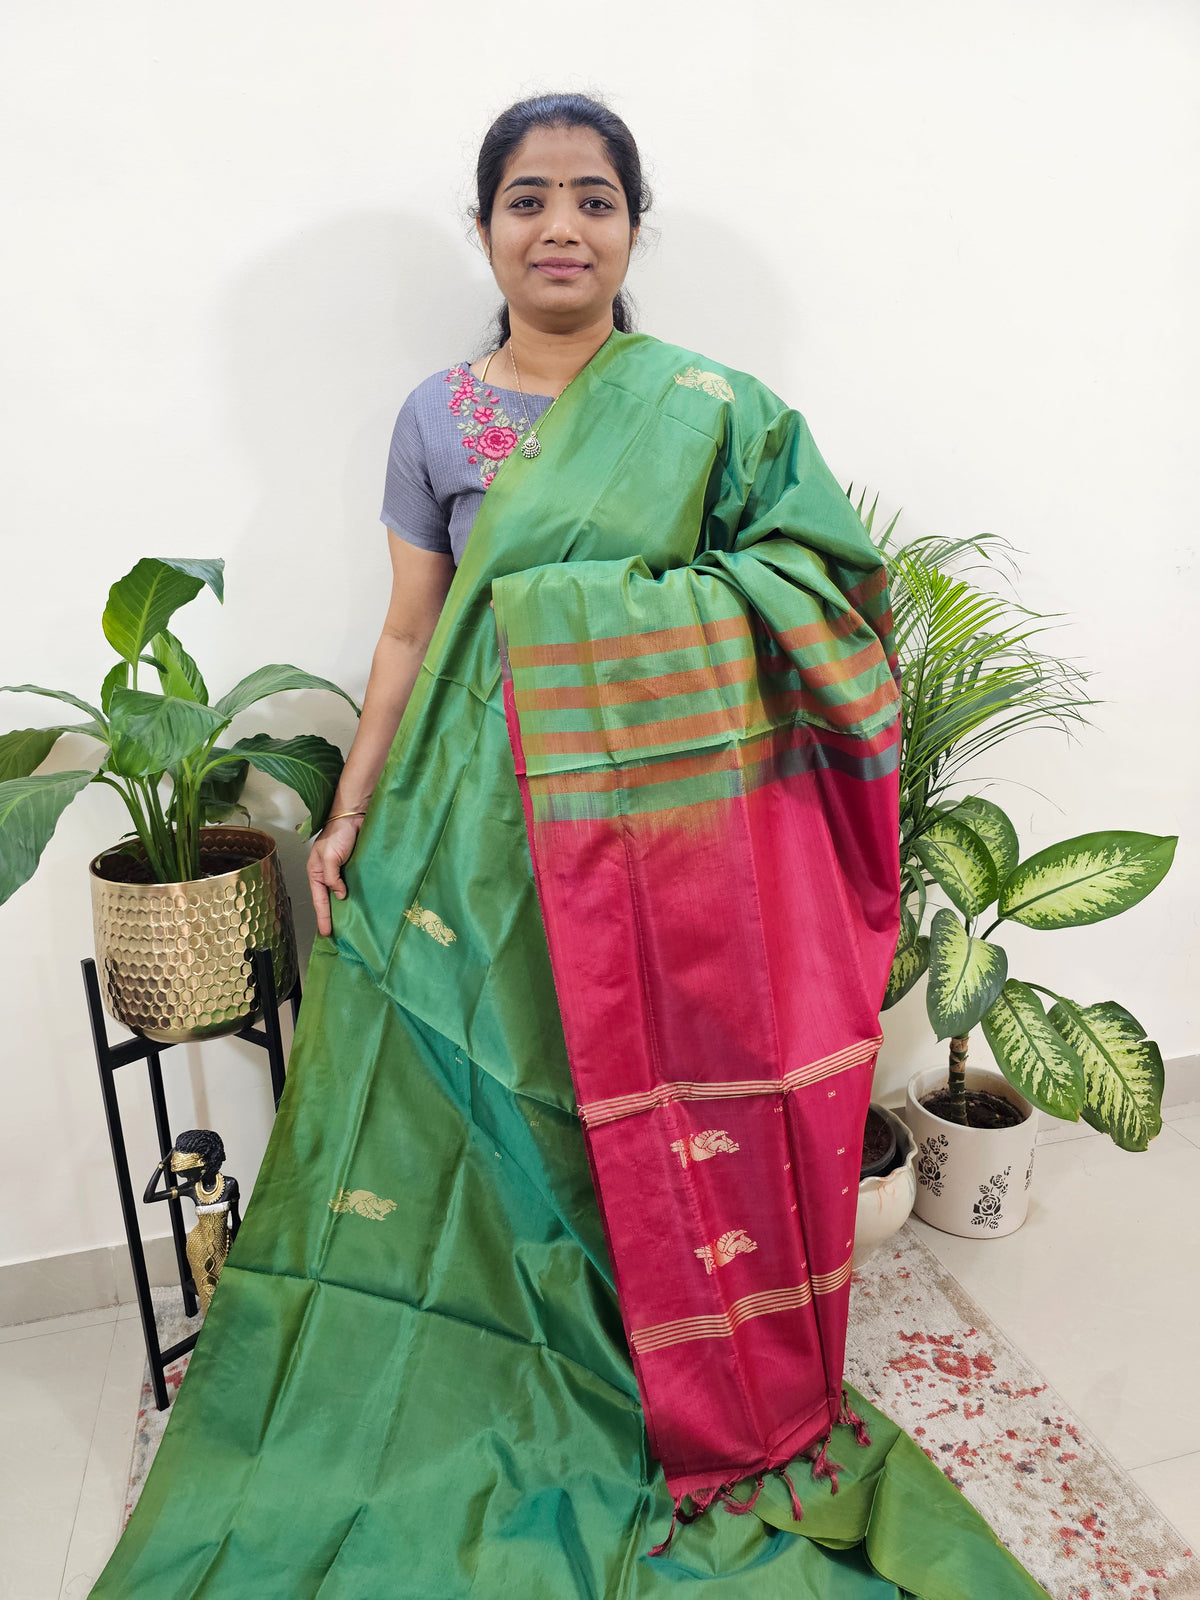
x=559, y=223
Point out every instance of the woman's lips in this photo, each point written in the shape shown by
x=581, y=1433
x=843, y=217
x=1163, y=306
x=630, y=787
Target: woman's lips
x=561, y=269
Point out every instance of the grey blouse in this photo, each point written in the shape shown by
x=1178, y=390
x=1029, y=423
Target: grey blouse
x=451, y=435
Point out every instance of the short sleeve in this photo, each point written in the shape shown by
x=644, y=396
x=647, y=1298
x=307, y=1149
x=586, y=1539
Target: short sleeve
x=410, y=507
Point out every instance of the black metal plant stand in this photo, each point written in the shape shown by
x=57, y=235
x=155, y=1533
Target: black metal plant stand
x=108, y=1059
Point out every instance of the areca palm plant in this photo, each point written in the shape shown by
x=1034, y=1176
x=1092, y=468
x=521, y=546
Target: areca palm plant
x=148, y=736
x=973, y=675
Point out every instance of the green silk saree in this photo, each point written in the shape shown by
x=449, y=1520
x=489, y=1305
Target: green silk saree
x=415, y=1379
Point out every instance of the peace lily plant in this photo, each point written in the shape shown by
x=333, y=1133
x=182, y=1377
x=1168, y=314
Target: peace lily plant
x=971, y=678
x=146, y=735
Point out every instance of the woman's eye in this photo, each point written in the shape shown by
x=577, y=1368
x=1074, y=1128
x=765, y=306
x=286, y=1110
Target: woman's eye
x=595, y=200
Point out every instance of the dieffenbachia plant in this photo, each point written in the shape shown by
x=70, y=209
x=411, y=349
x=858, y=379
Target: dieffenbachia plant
x=147, y=736
x=1072, y=1060
x=971, y=677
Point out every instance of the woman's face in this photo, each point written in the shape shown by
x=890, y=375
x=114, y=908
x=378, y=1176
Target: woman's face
x=559, y=238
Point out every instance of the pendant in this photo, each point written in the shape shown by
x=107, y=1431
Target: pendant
x=531, y=447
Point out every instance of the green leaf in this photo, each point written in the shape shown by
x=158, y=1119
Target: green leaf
x=117, y=677
x=209, y=571
x=1123, y=1070
x=965, y=976
x=151, y=732
x=907, y=966
x=992, y=825
x=177, y=672
x=1032, y=1054
x=24, y=750
x=142, y=602
x=270, y=680
x=54, y=694
x=1086, y=879
x=957, y=858
x=308, y=764
x=29, y=811
x=221, y=789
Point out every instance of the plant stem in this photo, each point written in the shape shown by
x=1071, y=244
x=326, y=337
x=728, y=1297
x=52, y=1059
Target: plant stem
x=956, y=1111
x=159, y=865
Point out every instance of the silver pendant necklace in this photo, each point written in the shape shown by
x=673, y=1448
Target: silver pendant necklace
x=532, y=446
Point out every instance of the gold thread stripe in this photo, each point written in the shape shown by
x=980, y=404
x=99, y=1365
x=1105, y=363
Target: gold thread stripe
x=831, y=1282
x=596, y=1112
x=724, y=1326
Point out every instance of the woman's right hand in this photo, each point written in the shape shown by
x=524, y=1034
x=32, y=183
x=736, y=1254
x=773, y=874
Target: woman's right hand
x=331, y=849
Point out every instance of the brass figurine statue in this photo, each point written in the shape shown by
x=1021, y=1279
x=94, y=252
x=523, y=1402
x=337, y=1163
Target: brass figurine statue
x=195, y=1164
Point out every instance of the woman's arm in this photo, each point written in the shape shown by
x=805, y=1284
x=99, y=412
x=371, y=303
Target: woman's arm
x=420, y=581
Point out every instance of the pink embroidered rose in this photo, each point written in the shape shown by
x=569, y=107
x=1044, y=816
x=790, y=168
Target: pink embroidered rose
x=496, y=443
x=484, y=413
x=487, y=478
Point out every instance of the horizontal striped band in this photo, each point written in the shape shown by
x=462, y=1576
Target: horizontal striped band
x=622, y=646
x=831, y=1282
x=596, y=1112
x=724, y=1324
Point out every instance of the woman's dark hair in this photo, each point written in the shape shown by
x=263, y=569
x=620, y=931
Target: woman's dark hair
x=561, y=111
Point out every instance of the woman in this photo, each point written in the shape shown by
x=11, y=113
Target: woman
x=549, y=1252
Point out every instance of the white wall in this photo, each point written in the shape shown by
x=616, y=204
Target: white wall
x=961, y=239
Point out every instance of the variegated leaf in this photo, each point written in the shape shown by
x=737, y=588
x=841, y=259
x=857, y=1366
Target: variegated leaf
x=965, y=976
x=907, y=966
x=1032, y=1054
x=1123, y=1070
x=994, y=828
x=956, y=858
x=1086, y=879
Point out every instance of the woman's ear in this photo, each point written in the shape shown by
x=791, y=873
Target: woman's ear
x=483, y=238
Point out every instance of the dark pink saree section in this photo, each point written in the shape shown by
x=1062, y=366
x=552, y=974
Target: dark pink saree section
x=720, y=967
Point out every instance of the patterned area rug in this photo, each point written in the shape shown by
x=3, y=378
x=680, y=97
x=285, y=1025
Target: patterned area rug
x=925, y=1354
x=922, y=1351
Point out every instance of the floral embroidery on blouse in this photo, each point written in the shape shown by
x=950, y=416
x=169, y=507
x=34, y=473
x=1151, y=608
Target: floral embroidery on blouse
x=489, y=435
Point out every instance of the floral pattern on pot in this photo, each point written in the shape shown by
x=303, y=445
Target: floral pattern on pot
x=489, y=435
x=989, y=1208
x=932, y=1162
x=1029, y=1170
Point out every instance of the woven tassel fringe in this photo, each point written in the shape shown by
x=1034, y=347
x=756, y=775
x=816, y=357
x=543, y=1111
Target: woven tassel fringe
x=797, y=1508
x=817, y=1454
x=850, y=1419
x=822, y=1467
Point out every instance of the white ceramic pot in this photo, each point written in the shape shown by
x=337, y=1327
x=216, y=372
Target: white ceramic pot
x=971, y=1181
x=884, y=1203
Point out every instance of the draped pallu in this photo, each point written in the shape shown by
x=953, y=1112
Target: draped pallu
x=708, y=764
x=563, y=1177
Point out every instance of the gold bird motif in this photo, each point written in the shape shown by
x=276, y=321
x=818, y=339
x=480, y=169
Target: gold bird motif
x=363, y=1202
x=429, y=922
x=703, y=1146
x=721, y=1251
x=711, y=382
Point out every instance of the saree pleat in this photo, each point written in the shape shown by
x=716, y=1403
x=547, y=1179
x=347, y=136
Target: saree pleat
x=414, y=1379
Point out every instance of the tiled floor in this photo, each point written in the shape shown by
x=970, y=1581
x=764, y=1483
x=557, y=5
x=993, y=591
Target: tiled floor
x=1101, y=1289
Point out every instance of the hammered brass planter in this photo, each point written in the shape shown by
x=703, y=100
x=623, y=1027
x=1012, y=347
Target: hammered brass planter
x=174, y=958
